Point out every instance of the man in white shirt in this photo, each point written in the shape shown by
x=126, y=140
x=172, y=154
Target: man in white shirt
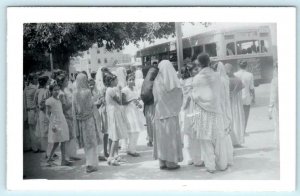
x=248, y=93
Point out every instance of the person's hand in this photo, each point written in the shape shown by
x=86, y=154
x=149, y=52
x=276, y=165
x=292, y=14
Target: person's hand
x=187, y=103
x=253, y=102
x=54, y=129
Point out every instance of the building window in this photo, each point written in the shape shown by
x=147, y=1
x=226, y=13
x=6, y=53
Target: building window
x=99, y=61
x=89, y=61
x=105, y=60
x=88, y=52
x=98, y=51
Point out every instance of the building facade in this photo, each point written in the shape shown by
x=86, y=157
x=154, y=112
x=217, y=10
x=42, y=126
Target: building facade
x=96, y=57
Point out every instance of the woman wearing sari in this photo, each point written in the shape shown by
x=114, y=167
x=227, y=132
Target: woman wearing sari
x=86, y=122
x=224, y=148
x=167, y=100
x=236, y=102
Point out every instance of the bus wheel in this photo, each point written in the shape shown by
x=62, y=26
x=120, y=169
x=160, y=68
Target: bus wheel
x=256, y=83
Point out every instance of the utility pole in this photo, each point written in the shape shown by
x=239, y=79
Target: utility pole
x=51, y=58
x=179, y=47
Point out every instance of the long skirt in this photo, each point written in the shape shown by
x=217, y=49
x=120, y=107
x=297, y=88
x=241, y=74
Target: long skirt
x=167, y=140
x=238, y=120
x=88, y=137
x=71, y=145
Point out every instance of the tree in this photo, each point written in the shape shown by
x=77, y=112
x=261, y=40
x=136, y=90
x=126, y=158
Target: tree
x=64, y=40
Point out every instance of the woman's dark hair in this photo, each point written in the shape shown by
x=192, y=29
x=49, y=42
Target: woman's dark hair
x=43, y=81
x=60, y=80
x=108, y=78
x=130, y=75
x=92, y=81
x=185, y=73
x=243, y=64
x=203, y=59
x=85, y=73
x=52, y=86
x=93, y=75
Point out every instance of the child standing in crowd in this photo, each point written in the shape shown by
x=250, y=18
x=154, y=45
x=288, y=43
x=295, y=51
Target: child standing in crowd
x=41, y=95
x=117, y=121
x=133, y=113
x=68, y=110
x=58, y=127
x=191, y=143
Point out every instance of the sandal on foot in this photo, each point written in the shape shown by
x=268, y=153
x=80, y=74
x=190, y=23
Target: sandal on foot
x=66, y=163
x=133, y=154
x=163, y=167
x=101, y=158
x=173, y=168
x=113, y=162
x=75, y=158
x=90, y=169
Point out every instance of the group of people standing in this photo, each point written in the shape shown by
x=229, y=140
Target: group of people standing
x=204, y=113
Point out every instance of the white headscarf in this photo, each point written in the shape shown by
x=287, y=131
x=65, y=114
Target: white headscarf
x=167, y=75
x=224, y=95
x=121, y=75
x=99, y=79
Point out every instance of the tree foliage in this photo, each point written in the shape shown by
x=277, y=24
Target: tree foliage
x=64, y=40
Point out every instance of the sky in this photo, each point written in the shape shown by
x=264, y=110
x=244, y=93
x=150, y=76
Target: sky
x=189, y=29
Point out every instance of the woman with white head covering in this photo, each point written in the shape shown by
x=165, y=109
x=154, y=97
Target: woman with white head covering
x=121, y=75
x=139, y=80
x=85, y=121
x=168, y=100
x=224, y=148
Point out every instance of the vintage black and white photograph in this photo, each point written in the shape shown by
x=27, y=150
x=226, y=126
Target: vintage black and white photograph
x=170, y=100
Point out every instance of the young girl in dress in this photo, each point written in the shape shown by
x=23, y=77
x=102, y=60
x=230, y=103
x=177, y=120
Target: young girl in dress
x=117, y=121
x=134, y=114
x=58, y=127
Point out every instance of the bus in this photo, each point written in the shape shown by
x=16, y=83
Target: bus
x=231, y=45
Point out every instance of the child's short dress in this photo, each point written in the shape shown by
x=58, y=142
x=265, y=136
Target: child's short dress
x=116, y=118
x=57, y=122
x=134, y=115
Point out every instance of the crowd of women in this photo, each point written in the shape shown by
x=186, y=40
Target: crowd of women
x=106, y=111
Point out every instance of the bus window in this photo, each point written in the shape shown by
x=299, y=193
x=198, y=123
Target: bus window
x=230, y=49
x=197, y=50
x=247, y=47
x=173, y=57
x=264, y=46
x=187, y=53
x=211, y=49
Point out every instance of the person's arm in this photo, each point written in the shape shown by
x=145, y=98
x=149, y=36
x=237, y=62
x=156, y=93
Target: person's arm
x=48, y=111
x=252, y=90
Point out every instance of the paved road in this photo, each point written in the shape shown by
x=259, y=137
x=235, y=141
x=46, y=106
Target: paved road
x=258, y=159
